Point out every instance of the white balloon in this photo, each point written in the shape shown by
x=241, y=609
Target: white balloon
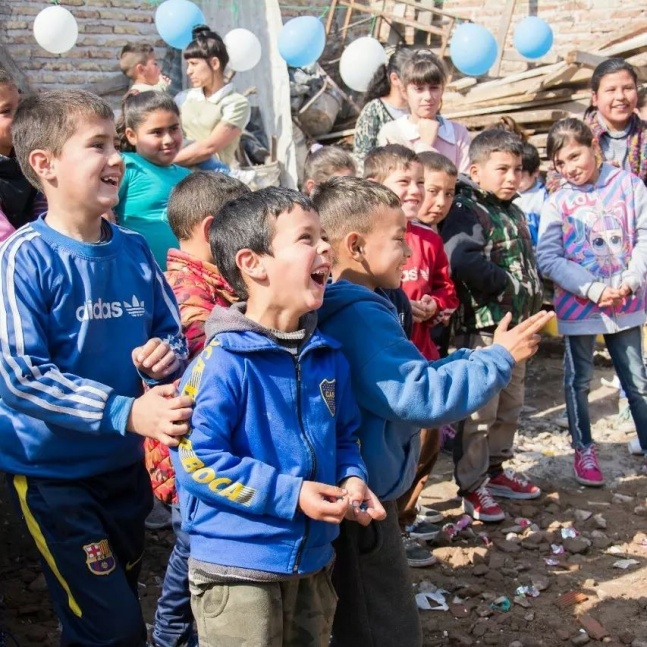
x=244, y=49
x=360, y=61
x=55, y=29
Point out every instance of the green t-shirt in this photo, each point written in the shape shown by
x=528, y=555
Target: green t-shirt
x=143, y=198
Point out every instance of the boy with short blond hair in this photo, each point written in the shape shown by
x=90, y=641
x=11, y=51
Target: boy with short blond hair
x=494, y=269
x=198, y=287
x=139, y=63
x=88, y=315
x=425, y=280
x=398, y=392
x=272, y=463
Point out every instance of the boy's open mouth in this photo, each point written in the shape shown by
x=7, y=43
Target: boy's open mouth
x=319, y=276
x=112, y=181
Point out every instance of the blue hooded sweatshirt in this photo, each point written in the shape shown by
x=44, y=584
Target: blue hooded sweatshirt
x=264, y=421
x=399, y=392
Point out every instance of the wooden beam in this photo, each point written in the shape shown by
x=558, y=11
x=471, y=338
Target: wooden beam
x=504, y=26
x=578, y=57
x=390, y=17
x=331, y=15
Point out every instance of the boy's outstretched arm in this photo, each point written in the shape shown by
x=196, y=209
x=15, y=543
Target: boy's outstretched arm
x=395, y=382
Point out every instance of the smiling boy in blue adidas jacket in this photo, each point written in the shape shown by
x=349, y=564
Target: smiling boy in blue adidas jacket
x=85, y=314
x=272, y=464
x=398, y=392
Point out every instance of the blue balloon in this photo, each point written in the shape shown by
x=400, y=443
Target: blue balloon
x=302, y=41
x=533, y=37
x=175, y=19
x=473, y=49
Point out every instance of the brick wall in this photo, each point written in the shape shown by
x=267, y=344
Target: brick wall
x=105, y=25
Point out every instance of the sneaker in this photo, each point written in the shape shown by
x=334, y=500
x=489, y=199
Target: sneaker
x=625, y=422
x=512, y=485
x=417, y=556
x=480, y=505
x=613, y=383
x=159, y=517
x=422, y=530
x=587, y=468
x=429, y=514
x=634, y=447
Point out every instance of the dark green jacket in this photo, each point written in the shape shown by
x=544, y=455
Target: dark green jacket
x=491, y=259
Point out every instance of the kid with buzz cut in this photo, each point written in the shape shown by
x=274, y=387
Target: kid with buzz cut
x=426, y=282
x=399, y=392
x=198, y=287
x=493, y=267
x=272, y=464
x=138, y=62
x=86, y=316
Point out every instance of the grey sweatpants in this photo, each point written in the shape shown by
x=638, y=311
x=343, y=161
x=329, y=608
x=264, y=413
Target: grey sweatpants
x=376, y=607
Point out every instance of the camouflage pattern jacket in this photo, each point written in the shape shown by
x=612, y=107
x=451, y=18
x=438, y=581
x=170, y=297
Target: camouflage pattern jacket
x=491, y=259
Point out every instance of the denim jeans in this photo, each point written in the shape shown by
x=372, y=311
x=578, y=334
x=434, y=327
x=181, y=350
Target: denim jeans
x=173, y=617
x=625, y=349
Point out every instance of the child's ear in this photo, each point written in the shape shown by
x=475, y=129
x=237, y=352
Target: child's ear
x=475, y=173
x=206, y=227
x=250, y=265
x=131, y=136
x=309, y=186
x=139, y=70
x=353, y=244
x=214, y=63
x=41, y=162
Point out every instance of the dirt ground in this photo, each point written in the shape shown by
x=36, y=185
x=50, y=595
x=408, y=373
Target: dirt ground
x=484, y=563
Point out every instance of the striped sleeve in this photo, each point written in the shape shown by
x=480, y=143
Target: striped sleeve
x=29, y=381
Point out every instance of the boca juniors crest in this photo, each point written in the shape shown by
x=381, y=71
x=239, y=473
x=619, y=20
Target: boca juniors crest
x=327, y=388
x=99, y=557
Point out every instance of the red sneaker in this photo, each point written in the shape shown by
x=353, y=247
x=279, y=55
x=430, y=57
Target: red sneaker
x=512, y=485
x=587, y=468
x=480, y=505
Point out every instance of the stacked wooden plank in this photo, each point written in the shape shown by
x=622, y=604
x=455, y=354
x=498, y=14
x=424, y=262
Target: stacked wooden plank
x=538, y=97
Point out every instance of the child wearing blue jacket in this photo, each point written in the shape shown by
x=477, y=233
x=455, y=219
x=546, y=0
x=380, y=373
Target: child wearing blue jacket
x=399, y=392
x=272, y=464
x=85, y=315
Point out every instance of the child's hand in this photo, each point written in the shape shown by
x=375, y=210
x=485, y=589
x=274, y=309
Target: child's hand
x=323, y=502
x=364, y=505
x=625, y=290
x=430, y=304
x=155, y=359
x=161, y=414
x=522, y=341
x=428, y=129
x=418, y=311
x=611, y=297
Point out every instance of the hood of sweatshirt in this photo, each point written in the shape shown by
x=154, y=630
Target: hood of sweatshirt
x=233, y=319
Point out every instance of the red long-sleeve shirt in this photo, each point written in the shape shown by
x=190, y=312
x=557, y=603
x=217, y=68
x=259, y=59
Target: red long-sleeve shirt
x=427, y=272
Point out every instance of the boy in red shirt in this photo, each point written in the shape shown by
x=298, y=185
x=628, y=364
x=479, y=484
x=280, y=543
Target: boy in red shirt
x=425, y=280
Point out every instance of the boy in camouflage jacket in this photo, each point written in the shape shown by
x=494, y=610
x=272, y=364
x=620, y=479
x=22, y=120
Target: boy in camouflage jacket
x=493, y=268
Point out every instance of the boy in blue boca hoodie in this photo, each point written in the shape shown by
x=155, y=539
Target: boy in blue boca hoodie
x=272, y=464
x=85, y=314
x=399, y=393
